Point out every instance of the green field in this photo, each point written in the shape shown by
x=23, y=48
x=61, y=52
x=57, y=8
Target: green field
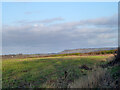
x=46, y=72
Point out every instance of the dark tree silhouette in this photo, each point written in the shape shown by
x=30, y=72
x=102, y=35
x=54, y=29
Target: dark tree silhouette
x=117, y=58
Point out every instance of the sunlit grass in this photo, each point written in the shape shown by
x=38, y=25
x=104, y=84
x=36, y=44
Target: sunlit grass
x=36, y=72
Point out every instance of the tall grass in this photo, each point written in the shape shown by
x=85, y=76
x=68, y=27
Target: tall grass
x=90, y=81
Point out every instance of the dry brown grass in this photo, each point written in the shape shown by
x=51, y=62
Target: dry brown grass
x=90, y=81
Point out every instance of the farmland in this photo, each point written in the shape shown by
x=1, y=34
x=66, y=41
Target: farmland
x=48, y=72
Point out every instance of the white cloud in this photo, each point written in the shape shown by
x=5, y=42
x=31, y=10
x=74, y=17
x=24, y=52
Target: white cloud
x=35, y=25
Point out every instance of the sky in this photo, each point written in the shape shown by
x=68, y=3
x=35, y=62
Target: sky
x=50, y=27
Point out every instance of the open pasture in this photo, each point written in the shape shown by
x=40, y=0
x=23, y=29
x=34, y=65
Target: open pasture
x=47, y=72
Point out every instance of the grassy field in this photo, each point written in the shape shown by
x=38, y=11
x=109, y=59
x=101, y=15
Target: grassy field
x=46, y=72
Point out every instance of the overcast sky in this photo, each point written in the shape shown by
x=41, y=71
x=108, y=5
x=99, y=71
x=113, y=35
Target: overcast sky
x=54, y=27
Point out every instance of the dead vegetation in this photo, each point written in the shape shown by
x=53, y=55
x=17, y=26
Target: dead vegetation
x=100, y=76
x=90, y=81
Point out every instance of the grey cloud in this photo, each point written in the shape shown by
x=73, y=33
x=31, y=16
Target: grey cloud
x=41, y=21
x=52, y=20
x=51, y=34
x=57, y=37
x=28, y=13
x=104, y=21
x=111, y=21
x=31, y=12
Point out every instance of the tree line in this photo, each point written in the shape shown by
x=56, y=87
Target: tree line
x=89, y=53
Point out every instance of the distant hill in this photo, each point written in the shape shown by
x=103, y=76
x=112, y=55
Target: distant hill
x=85, y=50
